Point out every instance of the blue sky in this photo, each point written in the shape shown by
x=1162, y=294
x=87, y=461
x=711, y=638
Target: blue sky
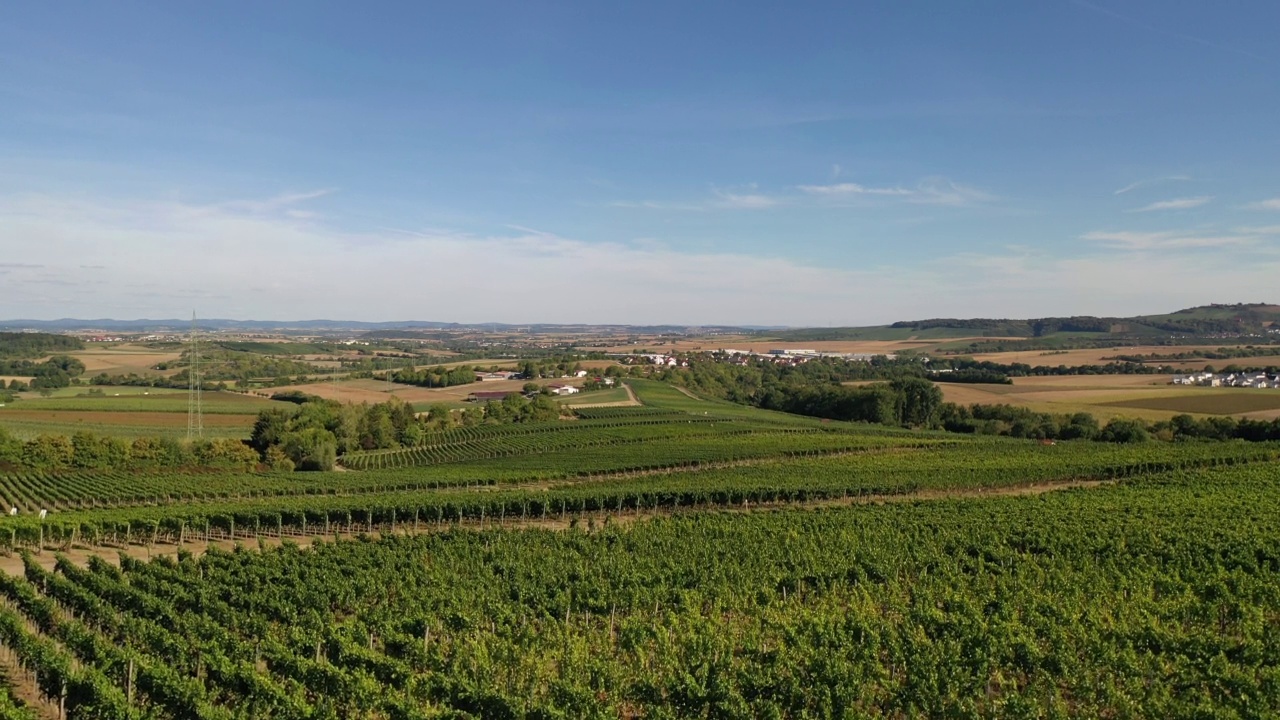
x=754, y=163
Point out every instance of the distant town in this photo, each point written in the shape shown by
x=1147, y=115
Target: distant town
x=1256, y=380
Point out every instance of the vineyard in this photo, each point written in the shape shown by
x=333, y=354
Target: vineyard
x=684, y=558
x=1157, y=596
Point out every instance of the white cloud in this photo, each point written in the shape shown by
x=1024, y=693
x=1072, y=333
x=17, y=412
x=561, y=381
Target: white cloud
x=1260, y=230
x=1151, y=181
x=1176, y=204
x=164, y=259
x=849, y=188
x=930, y=191
x=749, y=200
x=1272, y=204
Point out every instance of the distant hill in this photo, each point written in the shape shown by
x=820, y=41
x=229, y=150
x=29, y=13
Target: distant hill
x=402, y=328
x=1208, y=322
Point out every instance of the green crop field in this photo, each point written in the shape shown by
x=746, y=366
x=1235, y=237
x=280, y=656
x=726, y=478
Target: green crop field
x=25, y=424
x=156, y=401
x=609, y=395
x=1229, y=402
x=685, y=558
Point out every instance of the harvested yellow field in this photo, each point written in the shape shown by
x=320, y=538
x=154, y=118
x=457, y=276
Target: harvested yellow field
x=1149, y=397
x=123, y=360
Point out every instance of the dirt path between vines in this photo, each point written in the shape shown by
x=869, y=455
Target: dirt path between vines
x=80, y=554
x=22, y=687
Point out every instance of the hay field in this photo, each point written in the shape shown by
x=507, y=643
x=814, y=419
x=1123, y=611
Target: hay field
x=123, y=358
x=1149, y=397
x=1232, y=401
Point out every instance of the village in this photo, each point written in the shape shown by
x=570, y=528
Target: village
x=1256, y=380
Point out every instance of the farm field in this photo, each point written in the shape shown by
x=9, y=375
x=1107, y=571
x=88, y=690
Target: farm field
x=611, y=396
x=376, y=391
x=124, y=359
x=129, y=412
x=684, y=557
x=26, y=423
x=1149, y=397
x=1235, y=401
x=172, y=401
x=1098, y=356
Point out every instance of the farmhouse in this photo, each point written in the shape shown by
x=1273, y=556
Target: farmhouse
x=500, y=375
x=562, y=389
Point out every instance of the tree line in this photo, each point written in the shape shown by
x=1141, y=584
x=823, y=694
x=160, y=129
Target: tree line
x=814, y=388
x=34, y=345
x=88, y=451
x=57, y=372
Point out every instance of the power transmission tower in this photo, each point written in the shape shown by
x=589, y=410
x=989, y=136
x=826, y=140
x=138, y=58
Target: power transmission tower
x=195, y=413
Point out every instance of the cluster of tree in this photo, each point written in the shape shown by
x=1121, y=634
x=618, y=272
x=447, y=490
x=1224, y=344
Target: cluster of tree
x=87, y=451
x=912, y=402
x=56, y=372
x=972, y=375
x=156, y=381
x=312, y=435
x=1026, y=370
x=435, y=377
x=218, y=364
x=34, y=345
x=1222, y=353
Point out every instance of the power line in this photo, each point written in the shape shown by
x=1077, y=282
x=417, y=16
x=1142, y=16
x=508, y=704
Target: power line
x=195, y=411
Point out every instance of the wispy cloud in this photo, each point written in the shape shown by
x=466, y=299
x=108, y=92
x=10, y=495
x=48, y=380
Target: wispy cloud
x=848, y=188
x=1272, y=204
x=1152, y=181
x=1167, y=240
x=1176, y=204
x=749, y=200
x=1171, y=33
x=929, y=191
x=1260, y=230
x=279, y=203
